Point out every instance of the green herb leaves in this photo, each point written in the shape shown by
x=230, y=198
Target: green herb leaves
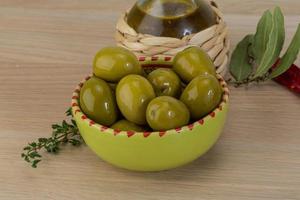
x=263, y=49
x=240, y=58
x=64, y=133
x=261, y=38
x=289, y=57
x=274, y=44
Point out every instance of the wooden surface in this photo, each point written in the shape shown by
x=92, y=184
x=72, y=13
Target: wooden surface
x=46, y=47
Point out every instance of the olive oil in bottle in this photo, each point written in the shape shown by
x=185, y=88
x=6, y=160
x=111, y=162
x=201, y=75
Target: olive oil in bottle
x=171, y=18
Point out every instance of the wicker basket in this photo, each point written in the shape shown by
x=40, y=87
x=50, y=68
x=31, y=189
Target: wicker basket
x=213, y=40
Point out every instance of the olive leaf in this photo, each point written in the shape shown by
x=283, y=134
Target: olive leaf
x=260, y=39
x=274, y=44
x=289, y=57
x=240, y=66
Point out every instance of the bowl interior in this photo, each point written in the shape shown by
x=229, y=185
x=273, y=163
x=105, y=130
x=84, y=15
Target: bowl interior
x=149, y=64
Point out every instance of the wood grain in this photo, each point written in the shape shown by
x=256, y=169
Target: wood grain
x=46, y=47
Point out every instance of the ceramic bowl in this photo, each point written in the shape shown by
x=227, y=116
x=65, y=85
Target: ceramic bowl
x=152, y=151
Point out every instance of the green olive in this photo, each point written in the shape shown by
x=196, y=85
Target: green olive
x=202, y=95
x=124, y=125
x=192, y=62
x=98, y=102
x=133, y=93
x=113, y=63
x=165, y=82
x=165, y=113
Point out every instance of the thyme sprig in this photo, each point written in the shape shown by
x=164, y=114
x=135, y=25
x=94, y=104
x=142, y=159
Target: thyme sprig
x=64, y=133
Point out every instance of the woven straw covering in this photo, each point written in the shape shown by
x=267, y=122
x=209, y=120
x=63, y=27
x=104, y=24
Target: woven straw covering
x=213, y=40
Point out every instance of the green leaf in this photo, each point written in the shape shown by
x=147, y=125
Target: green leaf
x=34, y=155
x=275, y=44
x=240, y=67
x=26, y=158
x=33, y=144
x=27, y=148
x=58, y=131
x=69, y=112
x=260, y=39
x=75, y=142
x=34, y=163
x=65, y=124
x=42, y=140
x=73, y=122
x=55, y=126
x=289, y=57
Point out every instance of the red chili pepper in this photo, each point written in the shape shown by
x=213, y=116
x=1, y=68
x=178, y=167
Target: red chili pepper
x=290, y=79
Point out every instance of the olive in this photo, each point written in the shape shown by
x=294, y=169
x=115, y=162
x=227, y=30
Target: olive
x=192, y=62
x=98, y=102
x=165, y=113
x=113, y=63
x=124, y=125
x=134, y=92
x=202, y=95
x=165, y=82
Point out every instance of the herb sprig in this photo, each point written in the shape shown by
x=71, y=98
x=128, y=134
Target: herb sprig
x=255, y=56
x=64, y=133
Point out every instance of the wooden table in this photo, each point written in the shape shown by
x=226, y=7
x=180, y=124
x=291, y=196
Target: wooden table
x=46, y=47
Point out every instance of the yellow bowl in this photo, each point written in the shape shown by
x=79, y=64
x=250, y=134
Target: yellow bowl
x=152, y=151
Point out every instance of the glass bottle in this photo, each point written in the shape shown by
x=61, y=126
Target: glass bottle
x=171, y=18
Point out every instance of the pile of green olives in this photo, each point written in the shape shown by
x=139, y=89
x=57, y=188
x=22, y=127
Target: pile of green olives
x=122, y=96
